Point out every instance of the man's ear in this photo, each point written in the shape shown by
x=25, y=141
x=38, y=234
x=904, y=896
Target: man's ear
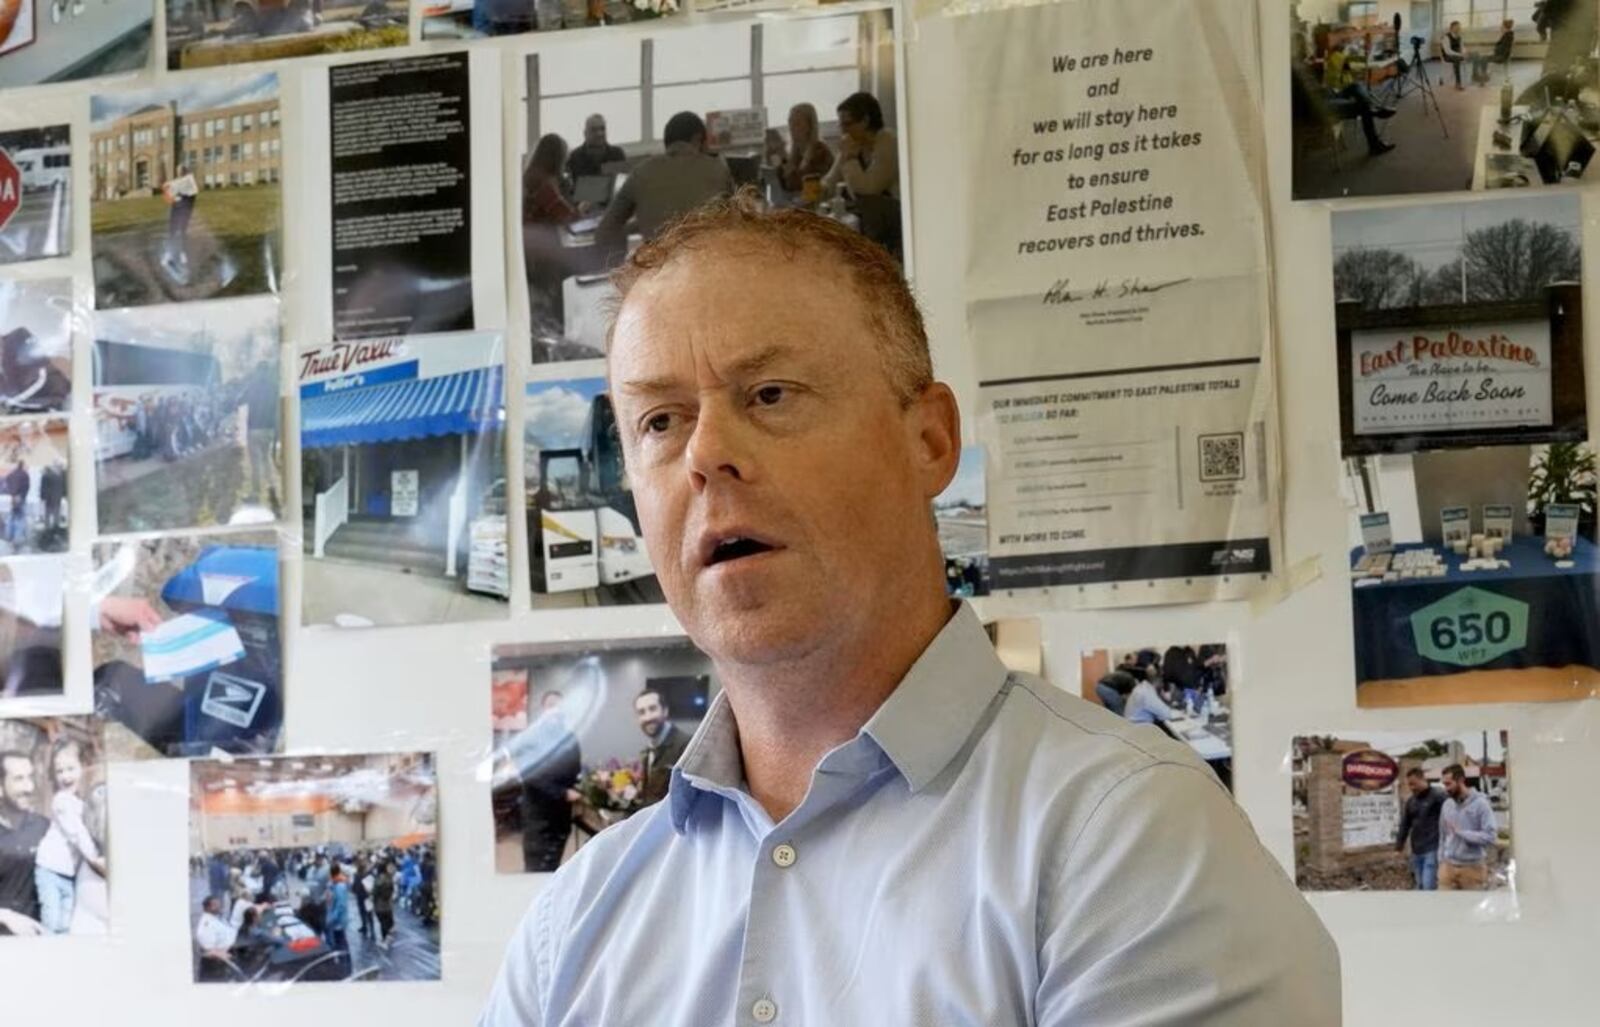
x=936, y=420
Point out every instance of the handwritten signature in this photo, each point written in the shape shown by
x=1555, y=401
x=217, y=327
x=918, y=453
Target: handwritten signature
x=1061, y=292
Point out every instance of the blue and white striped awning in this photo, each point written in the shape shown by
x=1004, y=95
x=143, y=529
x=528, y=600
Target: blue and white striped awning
x=452, y=404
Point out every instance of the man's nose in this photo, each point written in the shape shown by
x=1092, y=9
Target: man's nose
x=717, y=448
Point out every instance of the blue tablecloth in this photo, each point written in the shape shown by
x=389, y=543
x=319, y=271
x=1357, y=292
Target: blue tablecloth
x=1563, y=612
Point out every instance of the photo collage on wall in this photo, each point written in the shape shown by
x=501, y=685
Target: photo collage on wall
x=185, y=232
x=36, y=327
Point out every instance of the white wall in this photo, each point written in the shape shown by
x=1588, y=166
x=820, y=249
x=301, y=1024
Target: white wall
x=1405, y=956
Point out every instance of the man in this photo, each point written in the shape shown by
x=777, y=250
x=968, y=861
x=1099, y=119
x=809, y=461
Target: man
x=21, y=831
x=1467, y=834
x=548, y=761
x=667, y=742
x=214, y=937
x=1145, y=705
x=664, y=187
x=181, y=192
x=338, y=902
x=1344, y=76
x=318, y=878
x=875, y=823
x=17, y=487
x=1420, y=823
x=596, y=152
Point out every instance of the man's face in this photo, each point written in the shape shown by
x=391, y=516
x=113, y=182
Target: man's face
x=1417, y=785
x=783, y=490
x=16, y=781
x=1455, y=786
x=594, y=132
x=651, y=713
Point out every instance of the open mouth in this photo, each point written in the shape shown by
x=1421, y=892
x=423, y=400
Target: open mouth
x=737, y=548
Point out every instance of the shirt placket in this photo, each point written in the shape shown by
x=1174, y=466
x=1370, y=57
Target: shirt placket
x=779, y=869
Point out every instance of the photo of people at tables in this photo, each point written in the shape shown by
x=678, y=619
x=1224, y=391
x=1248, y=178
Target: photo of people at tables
x=584, y=736
x=1395, y=97
x=1401, y=811
x=54, y=862
x=315, y=868
x=1181, y=689
x=645, y=129
x=476, y=19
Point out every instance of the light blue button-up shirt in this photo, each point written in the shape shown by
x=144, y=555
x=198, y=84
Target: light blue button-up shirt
x=988, y=850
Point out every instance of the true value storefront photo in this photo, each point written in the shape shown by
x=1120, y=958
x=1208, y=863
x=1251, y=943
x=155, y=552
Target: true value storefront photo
x=403, y=480
x=1468, y=472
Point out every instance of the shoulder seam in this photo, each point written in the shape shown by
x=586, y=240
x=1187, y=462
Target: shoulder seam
x=1015, y=679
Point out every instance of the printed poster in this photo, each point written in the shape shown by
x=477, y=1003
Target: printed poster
x=1117, y=302
x=402, y=196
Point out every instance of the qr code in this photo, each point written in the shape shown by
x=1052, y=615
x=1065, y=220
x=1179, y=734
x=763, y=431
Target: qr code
x=1222, y=457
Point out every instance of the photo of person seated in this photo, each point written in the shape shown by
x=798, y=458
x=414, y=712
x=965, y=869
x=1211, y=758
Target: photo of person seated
x=1491, y=97
x=664, y=187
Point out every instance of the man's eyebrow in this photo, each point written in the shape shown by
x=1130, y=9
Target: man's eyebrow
x=743, y=367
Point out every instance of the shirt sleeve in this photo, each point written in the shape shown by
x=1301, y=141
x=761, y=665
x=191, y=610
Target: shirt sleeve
x=69, y=818
x=1166, y=911
x=611, y=235
x=1405, y=826
x=1483, y=831
x=518, y=998
x=884, y=173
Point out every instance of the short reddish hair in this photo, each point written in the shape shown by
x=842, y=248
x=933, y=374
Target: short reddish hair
x=887, y=302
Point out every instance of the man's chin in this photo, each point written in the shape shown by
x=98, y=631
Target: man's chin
x=759, y=635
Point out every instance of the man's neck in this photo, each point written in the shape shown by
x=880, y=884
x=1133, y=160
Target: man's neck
x=793, y=713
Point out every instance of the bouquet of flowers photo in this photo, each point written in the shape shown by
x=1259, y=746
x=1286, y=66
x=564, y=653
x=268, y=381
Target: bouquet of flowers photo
x=613, y=786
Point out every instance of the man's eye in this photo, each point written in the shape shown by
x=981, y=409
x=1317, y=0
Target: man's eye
x=657, y=423
x=767, y=395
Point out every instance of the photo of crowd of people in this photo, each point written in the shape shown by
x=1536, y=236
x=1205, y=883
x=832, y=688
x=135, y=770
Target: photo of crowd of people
x=54, y=862
x=584, y=737
x=321, y=868
x=1443, y=97
x=1181, y=689
x=35, y=345
x=191, y=395
x=208, y=33
x=36, y=223
x=618, y=150
x=33, y=486
x=185, y=191
x=186, y=644
x=1392, y=811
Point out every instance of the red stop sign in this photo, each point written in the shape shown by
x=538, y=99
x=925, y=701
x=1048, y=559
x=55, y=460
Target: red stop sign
x=10, y=188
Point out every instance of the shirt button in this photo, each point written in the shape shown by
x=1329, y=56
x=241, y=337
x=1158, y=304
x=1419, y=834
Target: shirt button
x=765, y=1010
x=784, y=855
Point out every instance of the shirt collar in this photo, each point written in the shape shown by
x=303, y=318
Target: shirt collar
x=682, y=149
x=921, y=726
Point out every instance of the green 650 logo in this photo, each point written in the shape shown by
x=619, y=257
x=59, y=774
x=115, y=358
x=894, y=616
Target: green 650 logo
x=1470, y=627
